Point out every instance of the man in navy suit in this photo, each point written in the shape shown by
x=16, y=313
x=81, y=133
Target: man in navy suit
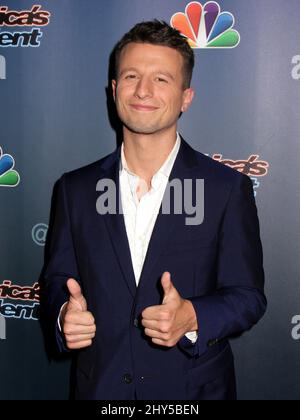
x=145, y=298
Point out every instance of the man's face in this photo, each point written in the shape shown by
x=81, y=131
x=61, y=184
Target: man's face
x=149, y=91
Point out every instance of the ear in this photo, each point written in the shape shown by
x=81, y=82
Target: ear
x=187, y=99
x=114, y=87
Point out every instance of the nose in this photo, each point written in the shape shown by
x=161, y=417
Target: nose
x=143, y=88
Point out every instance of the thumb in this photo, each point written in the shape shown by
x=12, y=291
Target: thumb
x=76, y=297
x=166, y=283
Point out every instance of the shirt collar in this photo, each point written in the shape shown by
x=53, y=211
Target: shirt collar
x=166, y=167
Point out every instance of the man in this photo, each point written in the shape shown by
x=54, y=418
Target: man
x=149, y=299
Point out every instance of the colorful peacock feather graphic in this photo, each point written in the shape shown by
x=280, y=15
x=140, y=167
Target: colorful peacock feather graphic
x=8, y=176
x=205, y=26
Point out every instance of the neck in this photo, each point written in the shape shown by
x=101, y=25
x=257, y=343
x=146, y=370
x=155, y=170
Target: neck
x=146, y=153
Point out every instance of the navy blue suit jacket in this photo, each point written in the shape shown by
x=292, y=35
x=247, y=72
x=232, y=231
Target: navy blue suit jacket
x=217, y=265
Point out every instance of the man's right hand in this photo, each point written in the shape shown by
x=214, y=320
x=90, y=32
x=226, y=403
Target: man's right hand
x=78, y=324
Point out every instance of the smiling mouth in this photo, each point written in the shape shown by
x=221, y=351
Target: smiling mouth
x=143, y=108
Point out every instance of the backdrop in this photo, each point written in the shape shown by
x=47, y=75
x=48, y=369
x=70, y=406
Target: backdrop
x=53, y=118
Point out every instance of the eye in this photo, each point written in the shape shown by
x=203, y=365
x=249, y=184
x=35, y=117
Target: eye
x=130, y=76
x=161, y=80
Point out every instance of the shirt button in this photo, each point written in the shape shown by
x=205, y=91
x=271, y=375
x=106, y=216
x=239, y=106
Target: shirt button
x=127, y=378
x=136, y=322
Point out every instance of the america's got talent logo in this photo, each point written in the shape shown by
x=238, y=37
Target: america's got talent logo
x=205, y=26
x=35, y=18
x=19, y=302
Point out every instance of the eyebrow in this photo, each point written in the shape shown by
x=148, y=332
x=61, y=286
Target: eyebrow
x=126, y=70
x=162, y=72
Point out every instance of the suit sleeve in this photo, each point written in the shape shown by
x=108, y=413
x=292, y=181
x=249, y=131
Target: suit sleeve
x=238, y=302
x=60, y=264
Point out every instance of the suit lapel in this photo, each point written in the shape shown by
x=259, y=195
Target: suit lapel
x=117, y=230
x=166, y=223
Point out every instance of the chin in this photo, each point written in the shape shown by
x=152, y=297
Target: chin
x=137, y=129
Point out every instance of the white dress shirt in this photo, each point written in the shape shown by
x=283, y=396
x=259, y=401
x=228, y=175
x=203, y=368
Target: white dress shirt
x=141, y=207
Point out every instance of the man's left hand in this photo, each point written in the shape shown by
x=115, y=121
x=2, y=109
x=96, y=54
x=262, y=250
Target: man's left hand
x=168, y=322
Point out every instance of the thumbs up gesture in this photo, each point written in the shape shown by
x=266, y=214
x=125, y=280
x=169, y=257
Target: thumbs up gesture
x=78, y=324
x=168, y=322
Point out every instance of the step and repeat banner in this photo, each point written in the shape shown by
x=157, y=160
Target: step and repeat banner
x=54, y=59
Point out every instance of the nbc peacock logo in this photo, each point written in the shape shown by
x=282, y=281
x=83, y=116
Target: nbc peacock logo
x=205, y=26
x=8, y=176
